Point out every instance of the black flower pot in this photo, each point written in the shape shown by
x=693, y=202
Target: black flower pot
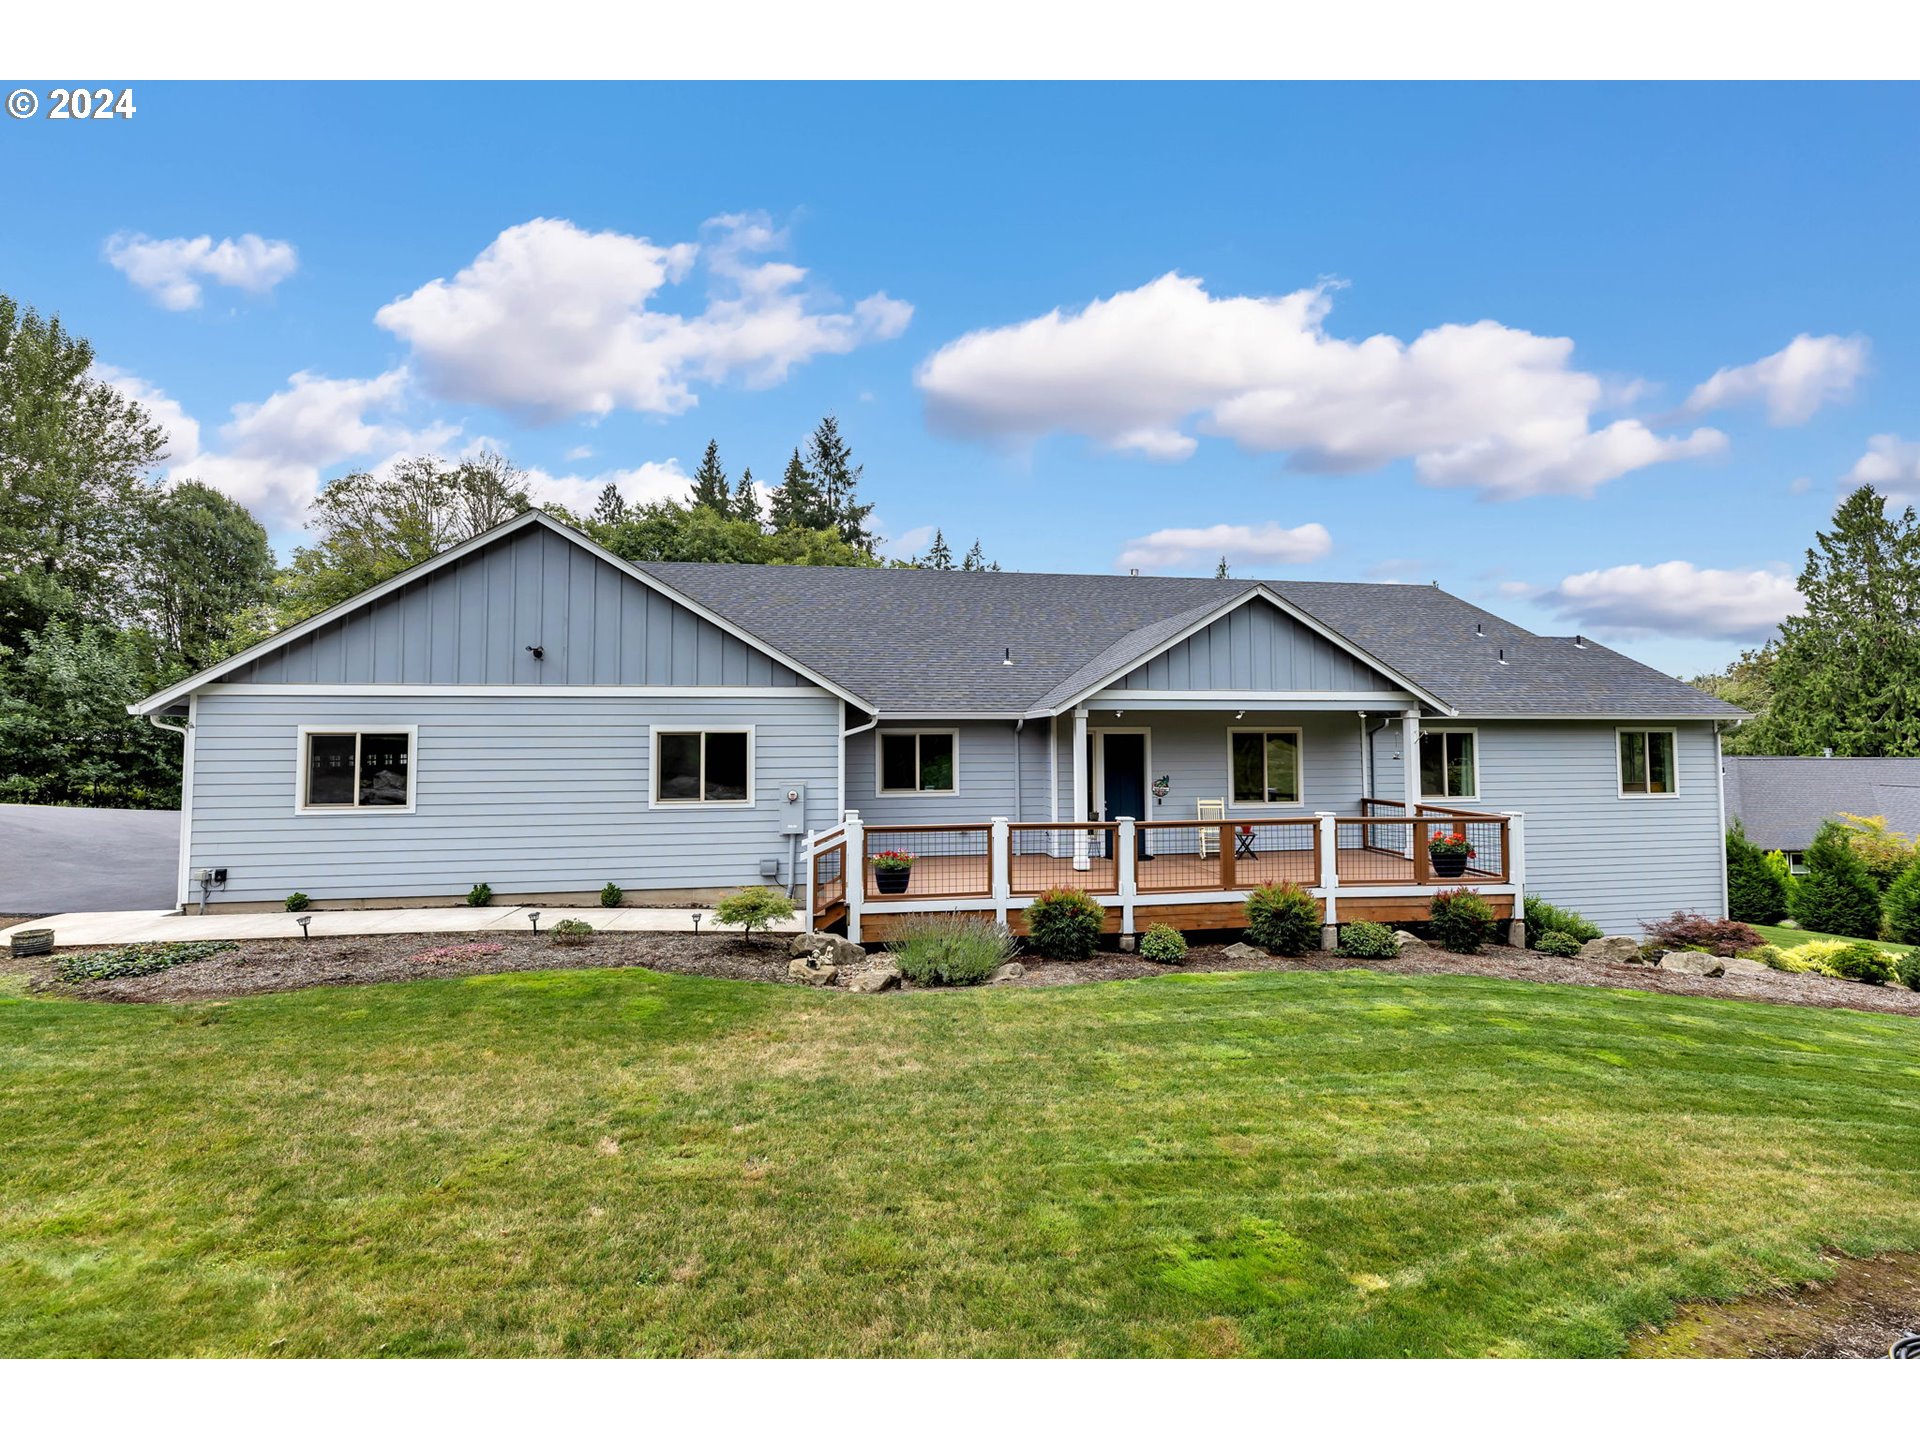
x=892, y=882
x=1449, y=867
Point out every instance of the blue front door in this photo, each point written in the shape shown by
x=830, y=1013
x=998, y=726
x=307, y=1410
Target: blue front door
x=1123, y=765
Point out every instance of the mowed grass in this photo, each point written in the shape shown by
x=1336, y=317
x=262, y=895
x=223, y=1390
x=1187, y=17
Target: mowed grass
x=1786, y=938
x=618, y=1162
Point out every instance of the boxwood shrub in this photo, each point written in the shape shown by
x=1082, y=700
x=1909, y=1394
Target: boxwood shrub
x=1064, y=924
x=1163, y=945
x=1368, y=940
x=1557, y=942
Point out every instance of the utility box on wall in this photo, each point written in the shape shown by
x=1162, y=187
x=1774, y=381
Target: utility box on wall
x=793, y=814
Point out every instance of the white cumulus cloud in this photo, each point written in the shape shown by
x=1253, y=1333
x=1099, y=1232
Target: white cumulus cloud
x=1794, y=382
x=1148, y=370
x=1267, y=544
x=641, y=485
x=172, y=271
x=551, y=320
x=1676, y=598
x=1892, y=466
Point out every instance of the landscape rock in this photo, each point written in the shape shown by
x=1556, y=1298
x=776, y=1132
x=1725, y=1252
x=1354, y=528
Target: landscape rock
x=1012, y=970
x=828, y=949
x=812, y=971
x=1404, y=938
x=1614, y=949
x=810, y=942
x=1737, y=966
x=1692, y=962
x=872, y=982
x=845, y=952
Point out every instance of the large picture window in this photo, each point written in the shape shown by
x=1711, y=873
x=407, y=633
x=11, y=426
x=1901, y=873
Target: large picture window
x=1449, y=765
x=703, y=767
x=1647, y=762
x=352, y=769
x=1265, y=766
x=918, y=762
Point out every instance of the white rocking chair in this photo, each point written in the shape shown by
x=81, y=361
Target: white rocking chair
x=1211, y=814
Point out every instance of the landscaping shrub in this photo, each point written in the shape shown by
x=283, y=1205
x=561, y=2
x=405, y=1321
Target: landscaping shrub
x=298, y=901
x=1368, y=940
x=1773, y=957
x=1906, y=969
x=1836, y=896
x=1557, y=942
x=1064, y=924
x=1902, y=908
x=1864, y=962
x=480, y=894
x=1777, y=863
x=951, y=949
x=1541, y=917
x=144, y=959
x=1690, y=930
x=1884, y=851
x=1755, y=892
x=1163, y=945
x=755, y=905
x=1815, y=957
x=1283, y=918
x=572, y=932
x=1460, y=920
x=611, y=895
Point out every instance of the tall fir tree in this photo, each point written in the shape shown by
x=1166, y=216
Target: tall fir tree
x=611, y=507
x=710, y=482
x=1847, y=675
x=939, y=557
x=977, y=560
x=797, y=502
x=1220, y=571
x=830, y=462
x=746, y=498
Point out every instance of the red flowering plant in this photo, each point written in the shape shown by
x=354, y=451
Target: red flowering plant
x=893, y=860
x=1453, y=843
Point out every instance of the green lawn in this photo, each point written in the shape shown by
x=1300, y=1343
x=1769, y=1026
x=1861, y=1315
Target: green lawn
x=1786, y=939
x=614, y=1162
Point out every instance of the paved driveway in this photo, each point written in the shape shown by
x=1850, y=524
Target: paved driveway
x=55, y=858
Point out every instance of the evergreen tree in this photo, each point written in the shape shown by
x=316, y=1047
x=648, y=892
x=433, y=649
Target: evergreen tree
x=1847, y=676
x=1755, y=893
x=939, y=557
x=710, y=482
x=1836, y=896
x=830, y=462
x=1220, y=571
x=976, y=560
x=797, y=501
x=611, y=508
x=746, y=499
x=1903, y=906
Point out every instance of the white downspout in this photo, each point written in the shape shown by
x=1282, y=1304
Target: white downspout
x=1720, y=779
x=185, y=732
x=840, y=812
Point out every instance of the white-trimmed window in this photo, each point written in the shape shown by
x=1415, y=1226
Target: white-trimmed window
x=1648, y=762
x=1263, y=766
x=918, y=762
x=1449, y=765
x=347, y=768
x=705, y=765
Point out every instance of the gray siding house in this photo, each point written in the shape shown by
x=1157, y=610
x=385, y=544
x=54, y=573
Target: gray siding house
x=1781, y=801
x=531, y=711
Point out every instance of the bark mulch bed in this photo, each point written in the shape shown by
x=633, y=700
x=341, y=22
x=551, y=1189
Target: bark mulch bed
x=1858, y=1313
x=256, y=967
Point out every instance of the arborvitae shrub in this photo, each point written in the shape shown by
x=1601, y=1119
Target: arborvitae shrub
x=1755, y=892
x=1836, y=896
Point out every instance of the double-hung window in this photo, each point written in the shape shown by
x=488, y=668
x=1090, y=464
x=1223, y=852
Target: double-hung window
x=702, y=767
x=1449, y=766
x=345, y=768
x=1647, y=762
x=1264, y=766
x=919, y=762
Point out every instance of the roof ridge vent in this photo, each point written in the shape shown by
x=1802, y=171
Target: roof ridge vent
x=1579, y=642
x=1479, y=631
x=1502, y=654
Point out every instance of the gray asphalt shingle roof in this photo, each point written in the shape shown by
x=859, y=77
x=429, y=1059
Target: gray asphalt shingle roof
x=1782, y=800
x=933, y=642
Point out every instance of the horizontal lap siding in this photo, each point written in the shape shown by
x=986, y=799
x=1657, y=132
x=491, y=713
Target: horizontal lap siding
x=985, y=761
x=524, y=792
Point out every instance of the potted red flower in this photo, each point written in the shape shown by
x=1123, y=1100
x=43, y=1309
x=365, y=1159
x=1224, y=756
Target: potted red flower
x=891, y=871
x=1449, y=853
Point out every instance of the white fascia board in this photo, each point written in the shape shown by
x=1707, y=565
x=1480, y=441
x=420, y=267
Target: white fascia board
x=373, y=691
x=1333, y=700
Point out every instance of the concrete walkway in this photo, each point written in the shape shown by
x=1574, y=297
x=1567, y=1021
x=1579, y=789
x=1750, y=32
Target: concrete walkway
x=125, y=927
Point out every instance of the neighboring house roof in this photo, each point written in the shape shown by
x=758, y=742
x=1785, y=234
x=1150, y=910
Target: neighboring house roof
x=935, y=642
x=1782, y=800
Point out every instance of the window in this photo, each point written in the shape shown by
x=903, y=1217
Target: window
x=1265, y=766
x=703, y=767
x=1796, y=862
x=348, y=769
x=1448, y=766
x=1646, y=762
x=918, y=762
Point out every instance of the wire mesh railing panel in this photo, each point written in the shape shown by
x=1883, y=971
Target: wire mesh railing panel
x=1373, y=852
x=1488, y=842
x=1272, y=852
x=1074, y=857
x=829, y=877
x=933, y=862
x=1173, y=855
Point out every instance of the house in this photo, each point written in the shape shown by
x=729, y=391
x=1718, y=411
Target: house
x=1781, y=801
x=531, y=711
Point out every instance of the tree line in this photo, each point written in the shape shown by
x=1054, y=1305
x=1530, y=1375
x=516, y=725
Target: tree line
x=114, y=585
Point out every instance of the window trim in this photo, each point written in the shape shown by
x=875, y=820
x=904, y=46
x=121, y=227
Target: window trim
x=1474, y=731
x=355, y=728
x=654, y=732
x=880, y=768
x=1300, y=767
x=1620, y=762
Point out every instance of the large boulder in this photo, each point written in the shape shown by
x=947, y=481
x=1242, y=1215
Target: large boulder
x=1692, y=962
x=1012, y=970
x=1404, y=938
x=810, y=942
x=872, y=982
x=809, y=970
x=1240, y=950
x=1614, y=949
x=1735, y=965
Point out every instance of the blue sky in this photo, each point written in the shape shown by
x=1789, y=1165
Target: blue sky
x=1611, y=247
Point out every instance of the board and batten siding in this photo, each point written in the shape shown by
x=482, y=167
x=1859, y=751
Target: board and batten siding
x=1255, y=647
x=529, y=793
x=472, y=621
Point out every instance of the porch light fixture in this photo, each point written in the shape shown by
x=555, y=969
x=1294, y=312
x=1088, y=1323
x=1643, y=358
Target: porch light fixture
x=1239, y=714
x=303, y=921
x=534, y=916
x=539, y=652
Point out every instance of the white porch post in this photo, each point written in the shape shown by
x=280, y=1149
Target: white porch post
x=1328, y=838
x=854, y=871
x=1080, y=802
x=1125, y=855
x=1000, y=866
x=806, y=854
x=1410, y=772
x=1517, y=875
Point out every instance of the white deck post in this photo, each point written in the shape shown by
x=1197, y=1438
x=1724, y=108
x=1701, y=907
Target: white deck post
x=1125, y=855
x=1517, y=875
x=1329, y=842
x=1080, y=803
x=1000, y=866
x=806, y=855
x=854, y=871
x=1410, y=771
